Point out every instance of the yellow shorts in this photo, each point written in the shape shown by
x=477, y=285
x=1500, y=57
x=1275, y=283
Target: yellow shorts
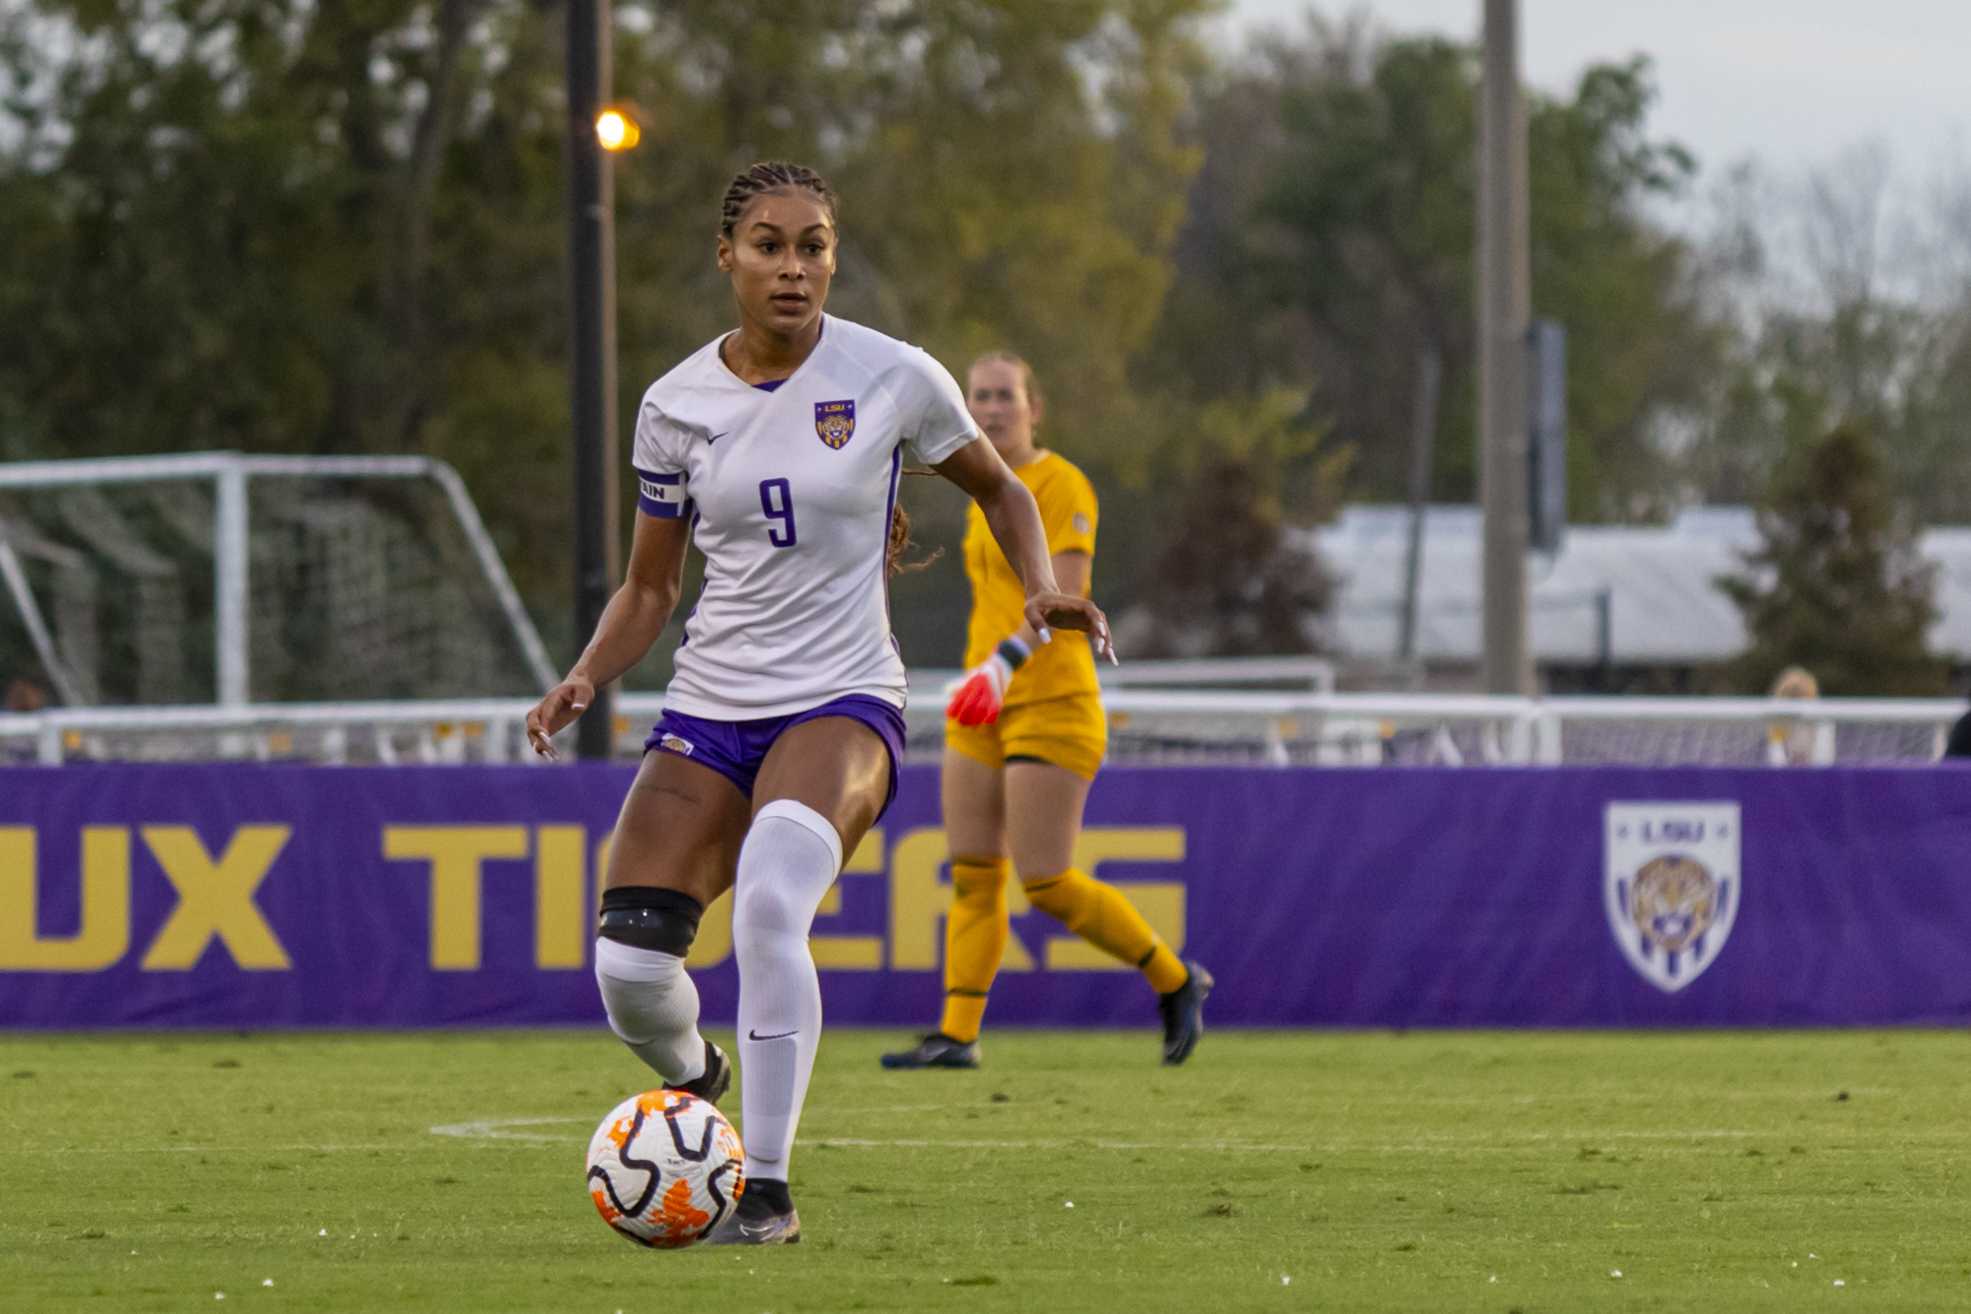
x=1071, y=733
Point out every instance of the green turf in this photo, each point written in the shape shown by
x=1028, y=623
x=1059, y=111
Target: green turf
x=1284, y=1171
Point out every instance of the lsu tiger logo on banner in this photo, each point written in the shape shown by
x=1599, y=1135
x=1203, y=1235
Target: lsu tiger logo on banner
x=834, y=422
x=1671, y=884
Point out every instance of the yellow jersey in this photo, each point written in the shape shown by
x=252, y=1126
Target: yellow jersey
x=1068, y=513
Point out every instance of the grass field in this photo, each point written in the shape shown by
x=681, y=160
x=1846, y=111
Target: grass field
x=1278, y=1171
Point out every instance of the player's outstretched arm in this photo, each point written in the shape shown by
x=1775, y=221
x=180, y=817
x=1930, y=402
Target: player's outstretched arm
x=1013, y=517
x=635, y=616
x=977, y=696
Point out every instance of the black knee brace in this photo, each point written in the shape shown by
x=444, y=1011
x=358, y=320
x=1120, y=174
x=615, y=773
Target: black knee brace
x=649, y=918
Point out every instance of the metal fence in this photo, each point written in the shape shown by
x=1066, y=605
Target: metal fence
x=1149, y=726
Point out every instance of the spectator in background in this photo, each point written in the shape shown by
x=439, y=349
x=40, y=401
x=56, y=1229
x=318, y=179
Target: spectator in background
x=1791, y=741
x=1959, y=742
x=22, y=695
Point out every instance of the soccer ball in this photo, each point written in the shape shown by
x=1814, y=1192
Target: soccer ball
x=665, y=1168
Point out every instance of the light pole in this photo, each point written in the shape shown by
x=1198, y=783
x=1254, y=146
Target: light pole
x=592, y=133
x=1504, y=316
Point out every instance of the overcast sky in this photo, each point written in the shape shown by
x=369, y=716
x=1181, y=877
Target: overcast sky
x=1790, y=81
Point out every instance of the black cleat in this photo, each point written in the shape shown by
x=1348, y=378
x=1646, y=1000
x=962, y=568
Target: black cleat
x=765, y=1217
x=936, y=1050
x=1183, y=1014
x=711, y=1084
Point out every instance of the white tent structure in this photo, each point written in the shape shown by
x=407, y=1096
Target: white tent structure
x=1626, y=595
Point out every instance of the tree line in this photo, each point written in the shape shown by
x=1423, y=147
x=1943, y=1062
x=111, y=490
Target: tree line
x=292, y=226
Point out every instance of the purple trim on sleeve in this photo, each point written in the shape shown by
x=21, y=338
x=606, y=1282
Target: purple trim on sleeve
x=890, y=503
x=889, y=513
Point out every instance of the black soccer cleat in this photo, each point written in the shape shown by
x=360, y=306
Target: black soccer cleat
x=1183, y=1013
x=936, y=1050
x=765, y=1217
x=711, y=1084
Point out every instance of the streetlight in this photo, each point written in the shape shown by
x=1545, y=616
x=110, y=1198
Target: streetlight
x=616, y=130
x=592, y=337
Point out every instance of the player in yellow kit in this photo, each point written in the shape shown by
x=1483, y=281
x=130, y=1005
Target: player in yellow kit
x=1024, y=737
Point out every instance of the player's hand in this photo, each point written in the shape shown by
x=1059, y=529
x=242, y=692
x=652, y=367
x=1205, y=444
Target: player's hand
x=979, y=694
x=1067, y=612
x=554, y=713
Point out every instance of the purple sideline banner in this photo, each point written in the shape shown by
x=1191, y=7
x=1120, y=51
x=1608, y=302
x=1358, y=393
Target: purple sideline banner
x=292, y=896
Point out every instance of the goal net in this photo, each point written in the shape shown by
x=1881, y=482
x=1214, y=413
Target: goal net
x=191, y=580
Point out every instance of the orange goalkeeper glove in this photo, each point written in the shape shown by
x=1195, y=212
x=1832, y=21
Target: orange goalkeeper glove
x=978, y=696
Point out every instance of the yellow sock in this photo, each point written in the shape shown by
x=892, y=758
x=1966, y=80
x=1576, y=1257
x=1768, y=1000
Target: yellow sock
x=975, y=933
x=1102, y=915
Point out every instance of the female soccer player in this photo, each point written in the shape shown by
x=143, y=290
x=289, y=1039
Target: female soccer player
x=777, y=447
x=1024, y=736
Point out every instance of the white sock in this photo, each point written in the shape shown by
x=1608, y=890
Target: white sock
x=653, y=1008
x=790, y=858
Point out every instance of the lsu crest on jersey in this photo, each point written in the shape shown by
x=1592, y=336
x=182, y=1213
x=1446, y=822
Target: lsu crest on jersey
x=795, y=607
x=834, y=422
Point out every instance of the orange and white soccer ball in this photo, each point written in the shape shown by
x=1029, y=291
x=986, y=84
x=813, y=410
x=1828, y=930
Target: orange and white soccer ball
x=665, y=1168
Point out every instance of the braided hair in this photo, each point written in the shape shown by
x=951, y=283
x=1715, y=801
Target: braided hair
x=770, y=176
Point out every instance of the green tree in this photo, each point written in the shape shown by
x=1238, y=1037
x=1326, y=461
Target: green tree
x=1013, y=174
x=1837, y=584
x=277, y=225
x=230, y=221
x=1330, y=243
x=1849, y=318
x=1229, y=582
x=1226, y=573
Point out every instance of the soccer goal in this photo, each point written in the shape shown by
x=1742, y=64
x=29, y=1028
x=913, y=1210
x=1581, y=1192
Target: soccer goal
x=231, y=579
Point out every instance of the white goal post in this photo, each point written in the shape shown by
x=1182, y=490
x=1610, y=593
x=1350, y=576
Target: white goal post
x=222, y=522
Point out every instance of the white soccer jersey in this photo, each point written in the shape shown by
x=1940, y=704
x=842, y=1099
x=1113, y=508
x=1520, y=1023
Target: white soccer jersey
x=789, y=492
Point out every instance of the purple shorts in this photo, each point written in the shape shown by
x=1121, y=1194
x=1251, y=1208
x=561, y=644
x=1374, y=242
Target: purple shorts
x=735, y=749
